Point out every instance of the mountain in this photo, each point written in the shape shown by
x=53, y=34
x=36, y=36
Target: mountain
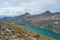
x=16, y=19
x=47, y=20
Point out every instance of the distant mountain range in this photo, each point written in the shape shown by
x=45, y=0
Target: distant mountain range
x=47, y=20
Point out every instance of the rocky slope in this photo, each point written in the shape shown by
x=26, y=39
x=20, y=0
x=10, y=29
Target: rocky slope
x=14, y=32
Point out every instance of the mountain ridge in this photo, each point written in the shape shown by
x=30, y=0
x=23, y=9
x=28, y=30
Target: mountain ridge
x=41, y=20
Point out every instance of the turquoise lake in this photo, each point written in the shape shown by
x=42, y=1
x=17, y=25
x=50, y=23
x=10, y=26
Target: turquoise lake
x=42, y=31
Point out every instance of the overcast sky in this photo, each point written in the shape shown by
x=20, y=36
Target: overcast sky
x=17, y=7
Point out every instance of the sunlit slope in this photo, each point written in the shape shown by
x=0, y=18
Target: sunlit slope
x=13, y=26
x=42, y=37
x=23, y=31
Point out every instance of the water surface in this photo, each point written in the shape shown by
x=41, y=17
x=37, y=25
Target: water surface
x=42, y=31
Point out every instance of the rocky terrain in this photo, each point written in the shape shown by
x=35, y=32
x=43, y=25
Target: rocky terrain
x=14, y=32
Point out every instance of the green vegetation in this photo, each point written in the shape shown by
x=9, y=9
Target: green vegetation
x=44, y=38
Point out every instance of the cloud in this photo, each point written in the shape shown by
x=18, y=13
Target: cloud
x=32, y=6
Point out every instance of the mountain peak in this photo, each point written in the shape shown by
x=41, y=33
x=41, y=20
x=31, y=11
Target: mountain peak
x=27, y=13
x=47, y=12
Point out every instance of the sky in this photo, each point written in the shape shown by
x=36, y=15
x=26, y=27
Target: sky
x=17, y=7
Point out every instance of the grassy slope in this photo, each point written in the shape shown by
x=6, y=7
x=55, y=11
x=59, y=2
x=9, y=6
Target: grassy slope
x=45, y=38
x=21, y=30
x=13, y=26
